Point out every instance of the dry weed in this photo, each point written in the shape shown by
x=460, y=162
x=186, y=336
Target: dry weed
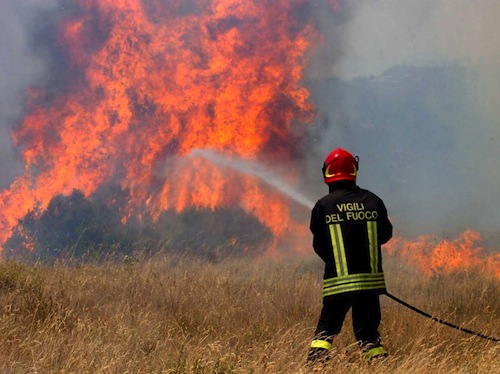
x=179, y=315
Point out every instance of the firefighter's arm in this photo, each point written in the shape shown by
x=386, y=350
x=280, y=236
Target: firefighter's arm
x=385, y=233
x=319, y=232
x=319, y=248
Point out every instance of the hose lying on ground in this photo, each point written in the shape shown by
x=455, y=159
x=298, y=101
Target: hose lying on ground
x=439, y=320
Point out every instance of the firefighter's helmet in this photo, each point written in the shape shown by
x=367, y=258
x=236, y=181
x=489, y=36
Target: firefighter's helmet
x=340, y=165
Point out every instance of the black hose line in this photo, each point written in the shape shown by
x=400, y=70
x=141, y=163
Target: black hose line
x=439, y=320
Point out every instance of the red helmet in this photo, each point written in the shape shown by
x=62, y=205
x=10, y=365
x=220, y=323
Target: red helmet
x=340, y=165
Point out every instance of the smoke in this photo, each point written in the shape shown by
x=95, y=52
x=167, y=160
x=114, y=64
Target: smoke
x=431, y=155
x=21, y=66
x=414, y=92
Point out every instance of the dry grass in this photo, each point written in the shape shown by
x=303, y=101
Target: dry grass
x=178, y=315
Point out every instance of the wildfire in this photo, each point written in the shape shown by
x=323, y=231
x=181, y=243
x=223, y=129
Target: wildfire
x=149, y=81
x=146, y=82
x=431, y=256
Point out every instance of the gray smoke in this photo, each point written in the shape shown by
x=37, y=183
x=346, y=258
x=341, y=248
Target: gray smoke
x=414, y=92
x=20, y=68
x=412, y=87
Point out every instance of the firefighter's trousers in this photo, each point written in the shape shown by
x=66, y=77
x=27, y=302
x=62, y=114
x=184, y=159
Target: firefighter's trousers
x=366, y=318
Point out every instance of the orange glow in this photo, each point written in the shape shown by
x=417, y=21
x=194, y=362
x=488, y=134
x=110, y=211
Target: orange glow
x=153, y=80
x=430, y=255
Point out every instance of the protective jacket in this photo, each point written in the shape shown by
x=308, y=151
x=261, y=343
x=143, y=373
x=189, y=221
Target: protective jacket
x=349, y=225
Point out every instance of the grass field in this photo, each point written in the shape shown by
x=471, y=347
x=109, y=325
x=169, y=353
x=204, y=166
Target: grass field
x=171, y=314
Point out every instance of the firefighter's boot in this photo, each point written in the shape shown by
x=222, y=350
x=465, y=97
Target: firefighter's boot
x=318, y=355
x=374, y=351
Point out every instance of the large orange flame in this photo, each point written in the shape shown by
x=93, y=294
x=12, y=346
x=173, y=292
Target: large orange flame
x=431, y=255
x=151, y=81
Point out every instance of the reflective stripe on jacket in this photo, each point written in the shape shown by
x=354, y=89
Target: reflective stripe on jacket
x=349, y=225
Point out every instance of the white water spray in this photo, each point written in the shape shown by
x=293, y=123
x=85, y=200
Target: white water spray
x=254, y=169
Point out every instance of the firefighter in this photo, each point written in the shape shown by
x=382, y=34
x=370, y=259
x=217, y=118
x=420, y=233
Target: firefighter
x=349, y=225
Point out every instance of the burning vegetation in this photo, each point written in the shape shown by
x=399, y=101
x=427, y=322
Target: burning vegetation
x=74, y=227
x=147, y=82
x=108, y=144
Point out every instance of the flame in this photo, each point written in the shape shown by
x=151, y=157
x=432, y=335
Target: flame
x=149, y=82
x=431, y=255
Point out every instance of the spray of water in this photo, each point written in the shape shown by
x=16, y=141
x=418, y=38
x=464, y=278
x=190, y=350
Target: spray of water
x=257, y=170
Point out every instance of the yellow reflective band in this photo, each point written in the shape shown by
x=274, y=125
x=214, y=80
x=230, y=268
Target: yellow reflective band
x=352, y=278
x=373, y=244
x=355, y=287
x=353, y=282
x=375, y=352
x=338, y=249
x=321, y=344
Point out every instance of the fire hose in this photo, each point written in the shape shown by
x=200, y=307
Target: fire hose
x=439, y=320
